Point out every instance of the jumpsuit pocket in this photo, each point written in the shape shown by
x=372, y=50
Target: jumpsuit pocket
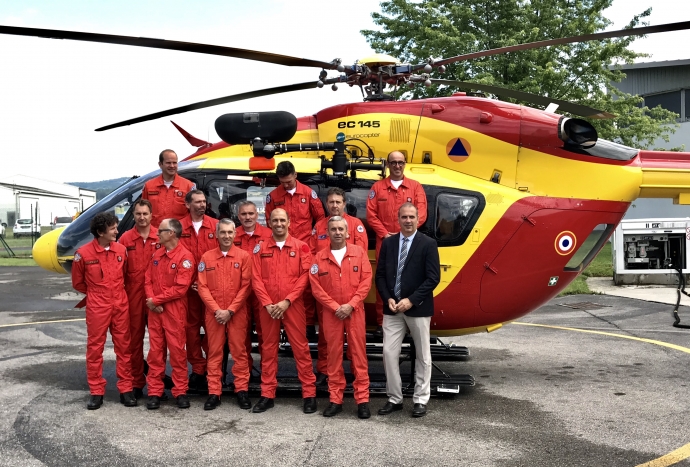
x=212, y=279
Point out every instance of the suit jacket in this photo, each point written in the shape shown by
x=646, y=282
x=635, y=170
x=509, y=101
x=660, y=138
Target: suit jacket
x=420, y=276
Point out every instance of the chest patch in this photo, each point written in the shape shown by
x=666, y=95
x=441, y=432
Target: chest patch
x=409, y=200
x=185, y=235
x=154, y=192
x=355, y=268
x=266, y=255
x=279, y=203
x=178, y=194
x=93, y=261
x=119, y=259
x=155, y=262
x=158, y=246
x=237, y=265
x=292, y=254
x=173, y=266
x=131, y=248
x=238, y=243
x=210, y=235
x=323, y=273
x=304, y=200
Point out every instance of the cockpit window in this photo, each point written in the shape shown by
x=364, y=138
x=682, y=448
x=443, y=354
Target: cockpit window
x=453, y=214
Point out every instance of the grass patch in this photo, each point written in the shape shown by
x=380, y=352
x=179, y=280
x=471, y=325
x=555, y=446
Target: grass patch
x=17, y=262
x=601, y=266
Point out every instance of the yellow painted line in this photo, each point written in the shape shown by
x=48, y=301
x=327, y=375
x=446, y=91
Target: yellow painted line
x=672, y=457
x=669, y=459
x=42, y=322
x=622, y=336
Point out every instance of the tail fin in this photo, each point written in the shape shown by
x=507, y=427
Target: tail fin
x=201, y=144
x=665, y=174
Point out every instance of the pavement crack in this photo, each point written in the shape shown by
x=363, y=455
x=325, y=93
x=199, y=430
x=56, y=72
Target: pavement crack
x=314, y=445
x=224, y=427
x=610, y=323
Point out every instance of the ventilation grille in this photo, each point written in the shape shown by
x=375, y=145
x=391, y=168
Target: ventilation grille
x=400, y=130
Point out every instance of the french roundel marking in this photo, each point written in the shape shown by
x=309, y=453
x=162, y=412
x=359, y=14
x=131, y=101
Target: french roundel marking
x=565, y=243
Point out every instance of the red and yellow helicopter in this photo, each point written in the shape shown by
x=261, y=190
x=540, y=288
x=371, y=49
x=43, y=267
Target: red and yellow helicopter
x=520, y=199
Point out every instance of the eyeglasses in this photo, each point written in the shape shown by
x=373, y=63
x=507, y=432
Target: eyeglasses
x=164, y=230
x=398, y=163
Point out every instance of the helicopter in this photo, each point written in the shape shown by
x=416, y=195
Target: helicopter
x=520, y=200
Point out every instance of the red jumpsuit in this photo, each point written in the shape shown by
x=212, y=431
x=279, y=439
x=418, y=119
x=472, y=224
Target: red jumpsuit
x=224, y=282
x=334, y=285
x=139, y=253
x=100, y=274
x=319, y=241
x=279, y=274
x=197, y=244
x=304, y=208
x=247, y=243
x=382, y=214
x=167, y=202
x=168, y=277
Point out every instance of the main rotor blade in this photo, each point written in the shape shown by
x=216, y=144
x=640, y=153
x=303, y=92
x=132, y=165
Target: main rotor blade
x=212, y=102
x=168, y=45
x=575, y=109
x=568, y=40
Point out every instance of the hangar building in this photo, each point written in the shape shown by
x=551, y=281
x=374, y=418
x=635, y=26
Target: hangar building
x=20, y=195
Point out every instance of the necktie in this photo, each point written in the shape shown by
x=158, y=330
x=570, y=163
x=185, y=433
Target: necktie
x=401, y=265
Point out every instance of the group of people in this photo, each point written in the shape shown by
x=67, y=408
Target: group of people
x=178, y=271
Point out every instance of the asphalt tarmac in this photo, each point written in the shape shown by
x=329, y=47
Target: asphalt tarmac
x=551, y=395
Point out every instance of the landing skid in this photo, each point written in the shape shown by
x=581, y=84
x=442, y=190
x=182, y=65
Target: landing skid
x=442, y=383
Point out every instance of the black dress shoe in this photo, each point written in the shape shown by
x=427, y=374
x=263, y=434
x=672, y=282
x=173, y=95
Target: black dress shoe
x=138, y=393
x=128, y=399
x=363, y=410
x=332, y=409
x=153, y=403
x=379, y=331
x=183, y=401
x=168, y=382
x=212, y=402
x=95, y=402
x=243, y=400
x=321, y=380
x=309, y=405
x=419, y=410
x=263, y=405
x=198, y=382
x=390, y=408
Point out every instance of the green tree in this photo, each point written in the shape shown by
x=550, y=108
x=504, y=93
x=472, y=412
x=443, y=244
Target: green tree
x=416, y=31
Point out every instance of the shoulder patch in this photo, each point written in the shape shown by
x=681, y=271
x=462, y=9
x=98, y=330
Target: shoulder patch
x=268, y=199
x=360, y=228
x=313, y=194
x=313, y=231
x=77, y=257
x=372, y=193
x=256, y=249
x=193, y=187
x=305, y=248
x=186, y=264
x=314, y=268
x=201, y=266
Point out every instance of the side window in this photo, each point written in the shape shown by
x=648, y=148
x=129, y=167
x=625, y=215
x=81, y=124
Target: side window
x=455, y=216
x=357, y=207
x=222, y=197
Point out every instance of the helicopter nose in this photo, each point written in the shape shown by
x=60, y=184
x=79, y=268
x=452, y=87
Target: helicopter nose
x=45, y=251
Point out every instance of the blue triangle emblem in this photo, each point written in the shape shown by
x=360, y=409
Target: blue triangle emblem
x=458, y=149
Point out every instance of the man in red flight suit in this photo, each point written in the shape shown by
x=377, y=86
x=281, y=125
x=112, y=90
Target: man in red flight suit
x=224, y=279
x=249, y=234
x=168, y=277
x=279, y=277
x=304, y=208
x=198, y=236
x=167, y=191
x=98, y=271
x=140, y=241
x=385, y=198
x=335, y=203
x=340, y=280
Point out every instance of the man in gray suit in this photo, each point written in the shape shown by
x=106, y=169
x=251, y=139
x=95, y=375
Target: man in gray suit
x=407, y=272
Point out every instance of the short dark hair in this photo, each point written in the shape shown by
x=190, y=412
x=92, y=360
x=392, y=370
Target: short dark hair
x=175, y=226
x=162, y=154
x=144, y=202
x=285, y=168
x=336, y=191
x=188, y=196
x=101, y=222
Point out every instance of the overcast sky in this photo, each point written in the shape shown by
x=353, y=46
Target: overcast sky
x=54, y=93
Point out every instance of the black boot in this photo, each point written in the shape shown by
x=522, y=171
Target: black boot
x=95, y=402
x=128, y=399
